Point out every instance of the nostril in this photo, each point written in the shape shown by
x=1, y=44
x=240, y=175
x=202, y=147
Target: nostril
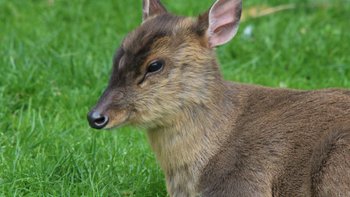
x=97, y=120
x=101, y=121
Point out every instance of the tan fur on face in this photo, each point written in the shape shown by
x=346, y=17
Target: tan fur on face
x=117, y=117
x=158, y=100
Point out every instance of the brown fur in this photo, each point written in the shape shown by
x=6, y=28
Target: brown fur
x=217, y=138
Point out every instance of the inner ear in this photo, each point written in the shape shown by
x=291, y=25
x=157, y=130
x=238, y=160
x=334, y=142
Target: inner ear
x=223, y=21
x=152, y=8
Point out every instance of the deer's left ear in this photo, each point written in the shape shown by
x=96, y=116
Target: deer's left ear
x=223, y=21
x=152, y=8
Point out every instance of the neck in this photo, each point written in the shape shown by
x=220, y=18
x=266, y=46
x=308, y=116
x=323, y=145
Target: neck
x=185, y=146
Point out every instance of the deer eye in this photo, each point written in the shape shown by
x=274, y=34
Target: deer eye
x=155, y=66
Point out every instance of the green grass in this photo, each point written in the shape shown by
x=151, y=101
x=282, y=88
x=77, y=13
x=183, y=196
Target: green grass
x=55, y=60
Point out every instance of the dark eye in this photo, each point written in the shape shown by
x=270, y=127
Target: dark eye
x=155, y=66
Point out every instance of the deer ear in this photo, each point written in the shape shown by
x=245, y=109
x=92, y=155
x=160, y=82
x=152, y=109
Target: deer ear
x=152, y=8
x=224, y=17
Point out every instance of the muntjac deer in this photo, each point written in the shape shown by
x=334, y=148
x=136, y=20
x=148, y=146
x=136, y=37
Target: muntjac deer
x=215, y=138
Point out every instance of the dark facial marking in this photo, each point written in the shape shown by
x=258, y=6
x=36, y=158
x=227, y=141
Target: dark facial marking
x=117, y=69
x=138, y=46
x=202, y=25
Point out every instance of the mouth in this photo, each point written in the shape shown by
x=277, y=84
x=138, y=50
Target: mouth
x=109, y=120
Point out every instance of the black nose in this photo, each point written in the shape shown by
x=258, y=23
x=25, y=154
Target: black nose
x=97, y=120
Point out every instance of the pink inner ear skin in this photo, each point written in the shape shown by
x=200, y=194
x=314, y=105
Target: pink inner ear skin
x=223, y=7
x=145, y=9
x=223, y=35
x=224, y=18
x=151, y=8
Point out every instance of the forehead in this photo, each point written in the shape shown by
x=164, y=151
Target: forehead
x=166, y=25
x=138, y=45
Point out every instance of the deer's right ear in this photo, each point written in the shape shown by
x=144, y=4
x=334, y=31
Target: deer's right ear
x=152, y=8
x=221, y=21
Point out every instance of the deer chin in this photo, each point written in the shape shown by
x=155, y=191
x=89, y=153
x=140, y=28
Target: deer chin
x=118, y=119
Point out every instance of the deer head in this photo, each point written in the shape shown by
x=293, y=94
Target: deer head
x=165, y=66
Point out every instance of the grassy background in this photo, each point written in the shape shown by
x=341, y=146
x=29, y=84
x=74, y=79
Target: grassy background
x=55, y=59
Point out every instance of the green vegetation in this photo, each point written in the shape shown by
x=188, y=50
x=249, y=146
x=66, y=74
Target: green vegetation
x=55, y=60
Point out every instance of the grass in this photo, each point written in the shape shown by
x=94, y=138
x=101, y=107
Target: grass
x=55, y=60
